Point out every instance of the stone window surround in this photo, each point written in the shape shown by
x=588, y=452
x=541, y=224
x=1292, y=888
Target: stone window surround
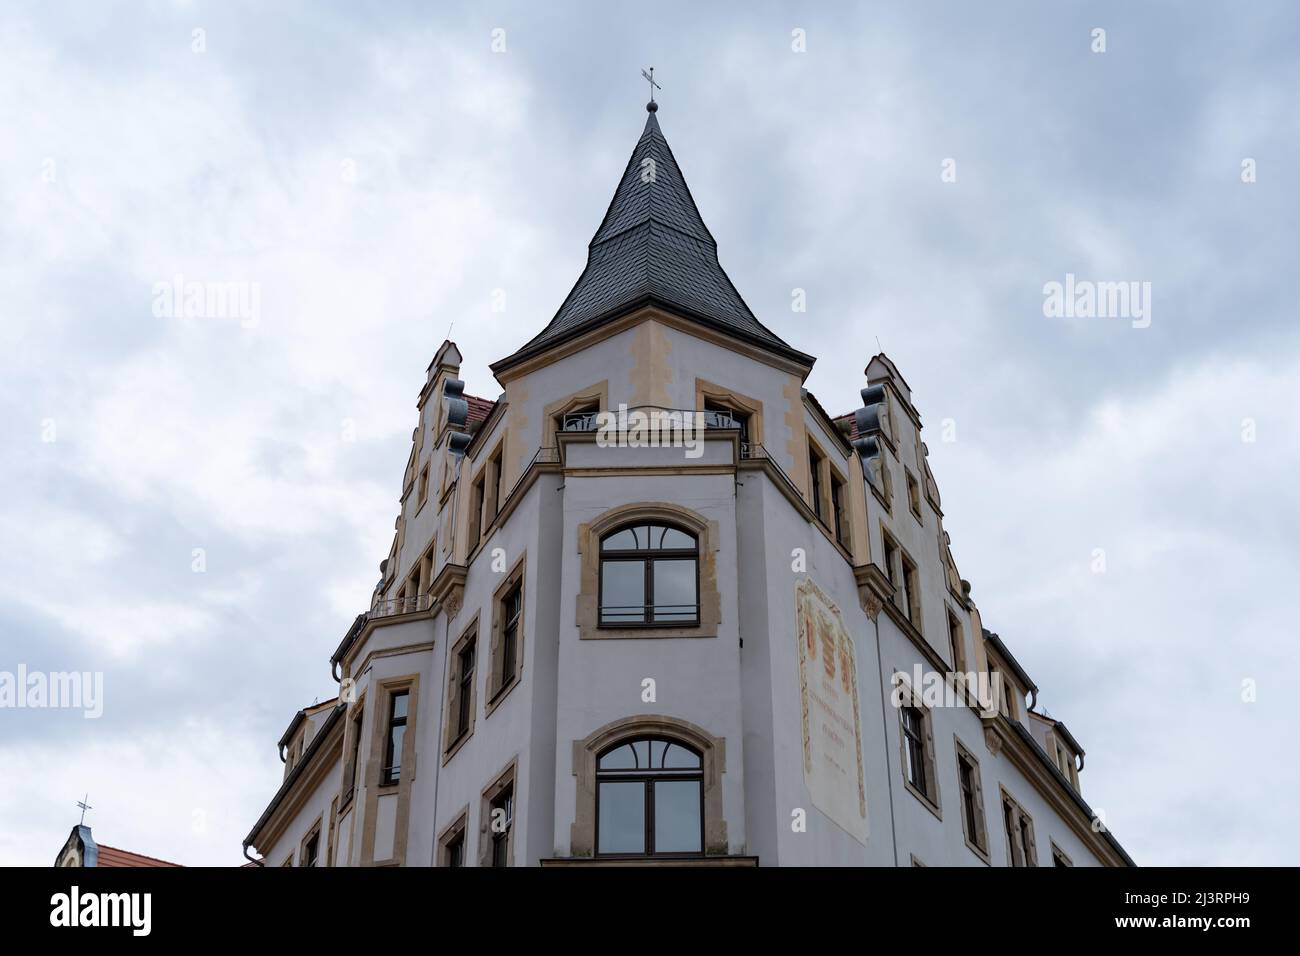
x=496, y=694
x=1029, y=853
x=597, y=394
x=1057, y=852
x=956, y=642
x=588, y=602
x=458, y=827
x=931, y=800
x=374, y=768
x=713, y=751
x=718, y=394
x=352, y=774
x=506, y=778
x=451, y=745
x=312, y=831
x=963, y=751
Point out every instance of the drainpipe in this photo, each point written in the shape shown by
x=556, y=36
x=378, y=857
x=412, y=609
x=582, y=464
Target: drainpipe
x=251, y=859
x=437, y=764
x=884, y=727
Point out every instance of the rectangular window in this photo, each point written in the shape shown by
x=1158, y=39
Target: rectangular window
x=815, y=481
x=955, y=646
x=355, y=756
x=914, y=742
x=918, y=751
x=391, y=772
x=494, y=468
x=717, y=415
x=500, y=823
x=890, y=557
x=911, y=592
x=839, y=513
x=476, y=505
x=972, y=801
x=511, y=609
x=1019, y=828
x=465, y=681
x=423, y=494
x=451, y=845
x=312, y=851
x=913, y=494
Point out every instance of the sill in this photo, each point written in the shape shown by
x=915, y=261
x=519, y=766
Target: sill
x=646, y=632
x=917, y=515
x=454, y=747
x=502, y=693
x=983, y=855
x=925, y=800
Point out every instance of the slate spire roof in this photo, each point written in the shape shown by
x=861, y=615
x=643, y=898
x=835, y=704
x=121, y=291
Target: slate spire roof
x=653, y=248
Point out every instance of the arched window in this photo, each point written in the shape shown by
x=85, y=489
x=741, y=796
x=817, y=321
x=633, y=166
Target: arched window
x=649, y=575
x=650, y=799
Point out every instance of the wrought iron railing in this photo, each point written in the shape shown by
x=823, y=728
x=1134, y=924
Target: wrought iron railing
x=589, y=421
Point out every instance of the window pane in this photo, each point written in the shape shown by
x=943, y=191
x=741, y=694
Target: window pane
x=657, y=753
x=624, y=540
x=672, y=538
x=399, y=705
x=674, y=590
x=677, y=816
x=620, y=758
x=679, y=758
x=621, y=825
x=622, y=592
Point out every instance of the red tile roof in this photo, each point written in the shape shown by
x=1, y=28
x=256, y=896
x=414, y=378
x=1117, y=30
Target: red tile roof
x=112, y=856
x=852, y=419
x=479, y=409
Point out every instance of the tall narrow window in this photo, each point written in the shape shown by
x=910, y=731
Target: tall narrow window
x=955, y=646
x=465, y=680
x=511, y=608
x=649, y=574
x=913, y=495
x=392, y=769
x=454, y=851
x=500, y=821
x=476, y=505
x=495, y=467
x=312, y=851
x=972, y=801
x=914, y=743
x=649, y=799
x=839, y=514
x=815, y=481
x=720, y=414
x=356, y=755
x=911, y=592
x=890, y=557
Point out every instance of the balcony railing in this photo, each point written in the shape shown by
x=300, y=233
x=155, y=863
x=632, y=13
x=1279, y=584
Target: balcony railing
x=388, y=607
x=589, y=421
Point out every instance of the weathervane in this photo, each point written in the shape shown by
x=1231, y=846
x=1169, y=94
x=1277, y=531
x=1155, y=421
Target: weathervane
x=650, y=78
x=84, y=807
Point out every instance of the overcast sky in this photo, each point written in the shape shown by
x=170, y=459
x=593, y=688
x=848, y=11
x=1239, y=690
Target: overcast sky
x=378, y=170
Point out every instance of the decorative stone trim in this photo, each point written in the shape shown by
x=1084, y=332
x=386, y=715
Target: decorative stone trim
x=496, y=693
x=582, y=833
x=588, y=603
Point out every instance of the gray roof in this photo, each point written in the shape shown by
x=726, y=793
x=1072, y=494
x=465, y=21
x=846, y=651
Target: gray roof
x=653, y=248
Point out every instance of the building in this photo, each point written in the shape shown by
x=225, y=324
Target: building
x=656, y=604
x=80, y=849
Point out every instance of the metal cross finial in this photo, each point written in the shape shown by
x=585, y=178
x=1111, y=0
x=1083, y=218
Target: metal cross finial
x=84, y=807
x=650, y=78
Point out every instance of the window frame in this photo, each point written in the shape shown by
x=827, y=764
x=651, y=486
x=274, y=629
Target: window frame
x=912, y=701
x=498, y=685
x=507, y=780
x=455, y=834
x=649, y=778
x=393, y=761
x=454, y=735
x=978, y=842
x=648, y=557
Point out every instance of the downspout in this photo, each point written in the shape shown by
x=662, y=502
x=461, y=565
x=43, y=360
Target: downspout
x=884, y=728
x=252, y=860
